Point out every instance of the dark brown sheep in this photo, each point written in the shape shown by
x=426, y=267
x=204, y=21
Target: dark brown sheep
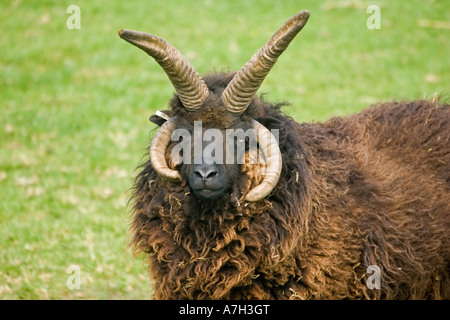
x=352, y=195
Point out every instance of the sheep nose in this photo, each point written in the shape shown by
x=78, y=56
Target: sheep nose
x=206, y=172
x=208, y=181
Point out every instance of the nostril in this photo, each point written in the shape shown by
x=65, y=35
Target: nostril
x=211, y=174
x=199, y=174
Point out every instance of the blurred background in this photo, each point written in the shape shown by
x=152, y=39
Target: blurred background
x=75, y=101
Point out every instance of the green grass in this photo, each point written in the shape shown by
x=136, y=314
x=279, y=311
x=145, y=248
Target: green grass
x=74, y=108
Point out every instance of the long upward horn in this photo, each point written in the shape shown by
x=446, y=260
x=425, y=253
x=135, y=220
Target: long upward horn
x=189, y=86
x=240, y=91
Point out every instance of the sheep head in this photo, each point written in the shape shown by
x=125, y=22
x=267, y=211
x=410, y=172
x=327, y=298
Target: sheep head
x=198, y=108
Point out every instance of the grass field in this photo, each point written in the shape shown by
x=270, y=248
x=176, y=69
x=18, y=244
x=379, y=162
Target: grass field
x=74, y=108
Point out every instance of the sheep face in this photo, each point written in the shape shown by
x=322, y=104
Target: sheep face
x=208, y=146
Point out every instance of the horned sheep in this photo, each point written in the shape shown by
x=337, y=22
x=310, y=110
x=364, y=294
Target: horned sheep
x=324, y=203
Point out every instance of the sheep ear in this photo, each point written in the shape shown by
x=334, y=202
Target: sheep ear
x=160, y=117
x=272, y=123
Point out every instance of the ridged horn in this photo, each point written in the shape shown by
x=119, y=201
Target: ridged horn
x=158, y=151
x=189, y=86
x=269, y=146
x=240, y=91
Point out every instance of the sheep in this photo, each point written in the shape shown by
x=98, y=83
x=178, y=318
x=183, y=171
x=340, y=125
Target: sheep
x=324, y=204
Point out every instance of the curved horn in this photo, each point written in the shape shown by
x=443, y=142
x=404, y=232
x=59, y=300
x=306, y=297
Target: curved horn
x=158, y=151
x=240, y=91
x=272, y=153
x=190, y=87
